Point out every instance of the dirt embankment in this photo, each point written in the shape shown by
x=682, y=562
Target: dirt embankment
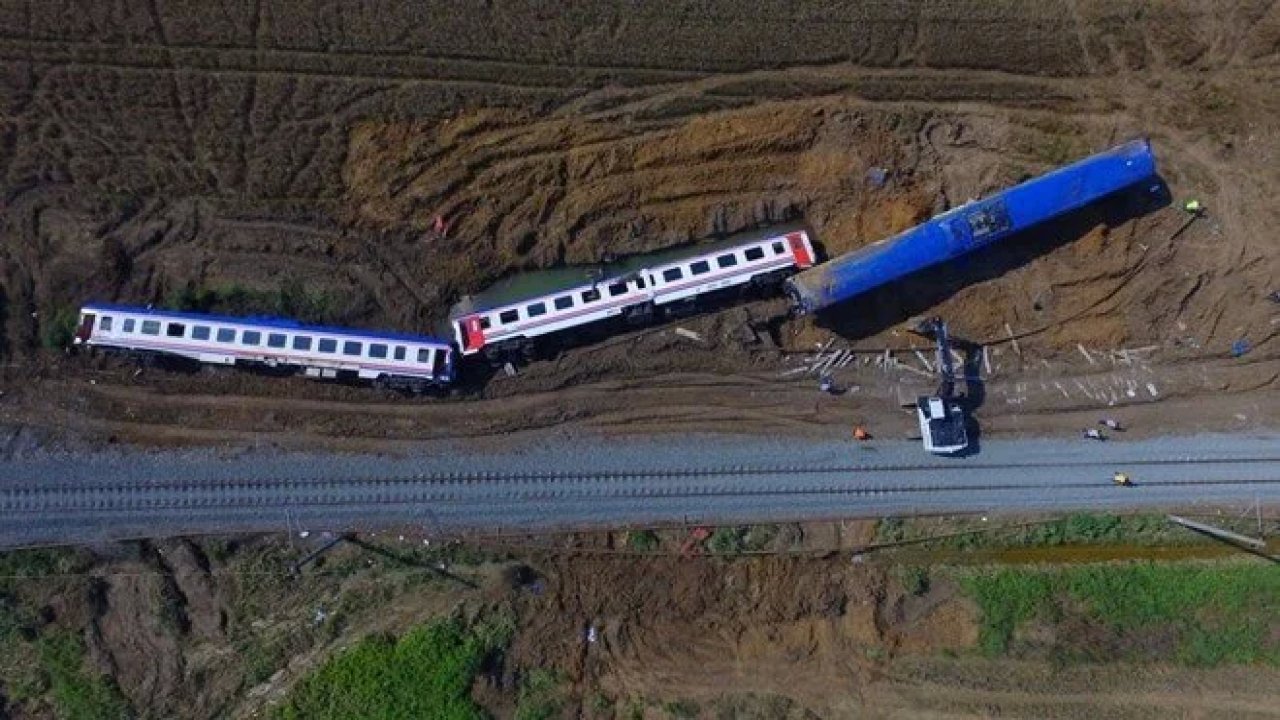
x=297, y=158
x=220, y=628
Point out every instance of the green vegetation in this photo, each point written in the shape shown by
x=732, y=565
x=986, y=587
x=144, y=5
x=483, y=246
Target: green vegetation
x=39, y=660
x=682, y=709
x=726, y=540
x=732, y=540
x=914, y=578
x=642, y=540
x=600, y=703
x=1221, y=613
x=1074, y=529
x=58, y=327
x=541, y=695
x=78, y=694
x=291, y=299
x=425, y=674
x=758, y=537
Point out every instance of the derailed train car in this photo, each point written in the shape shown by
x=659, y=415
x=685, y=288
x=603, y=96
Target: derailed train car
x=538, y=311
x=972, y=226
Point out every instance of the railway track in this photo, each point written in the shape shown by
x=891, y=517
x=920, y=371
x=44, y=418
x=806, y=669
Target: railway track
x=104, y=498
x=717, y=482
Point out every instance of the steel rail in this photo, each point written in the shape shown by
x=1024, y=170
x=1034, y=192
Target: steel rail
x=381, y=491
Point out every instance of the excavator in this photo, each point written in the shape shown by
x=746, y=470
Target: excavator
x=942, y=419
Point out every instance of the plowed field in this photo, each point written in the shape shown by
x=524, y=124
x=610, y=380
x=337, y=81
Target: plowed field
x=306, y=150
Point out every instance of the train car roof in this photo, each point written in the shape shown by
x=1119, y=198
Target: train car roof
x=262, y=321
x=534, y=284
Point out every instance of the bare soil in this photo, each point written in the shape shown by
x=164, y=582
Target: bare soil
x=150, y=150
x=220, y=628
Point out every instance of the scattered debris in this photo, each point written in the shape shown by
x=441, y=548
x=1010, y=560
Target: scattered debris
x=827, y=384
x=1093, y=434
x=695, y=539
x=1240, y=347
x=685, y=333
x=924, y=360
x=509, y=369
x=1008, y=330
x=592, y=634
x=860, y=433
x=877, y=176
x=1151, y=388
x=1112, y=423
x=986, y=359
x=1085, y=353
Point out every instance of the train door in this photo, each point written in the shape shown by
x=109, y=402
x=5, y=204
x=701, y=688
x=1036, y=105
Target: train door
x=85, y=331
x=472, y=333
x=440, y=364
x=799, y=251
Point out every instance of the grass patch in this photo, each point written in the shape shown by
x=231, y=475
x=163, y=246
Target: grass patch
x=425, y=674
x=642, y=540
x=727, y=540
x=57, y=328
x=541, y=696
x=1073, y=529
x=683, y=709
x=291, y=299
x=1218, y=613
x=758, y=537
x=77, y=693
x=914, y=578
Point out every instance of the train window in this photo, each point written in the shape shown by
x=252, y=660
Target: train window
x=777, y=247
x=351, y=347
x=105, y=323
x=700, y=267
x=589, y=296
x=277, y=340
x=251, y=337
x=617, y=289
x=327, y=345
x=754, y=253
x=725, y=261
x=399, y=353
x=377, y=350
x=150, y=327
x=536, y=309
x=672, y=274
x=640, y=282
x=128, y=325
x=199, y=332
x=564, y=302
x=507, y=317
x=484, y=322
x=226, y=335
x=301, y=342
x=424, y=355
x=176, y=330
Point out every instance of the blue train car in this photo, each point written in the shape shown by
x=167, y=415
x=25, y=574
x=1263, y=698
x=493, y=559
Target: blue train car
x=973, y=226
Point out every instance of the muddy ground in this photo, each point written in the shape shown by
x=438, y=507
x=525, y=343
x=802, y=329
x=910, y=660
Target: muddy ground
x=302, y=153
x=220, y=627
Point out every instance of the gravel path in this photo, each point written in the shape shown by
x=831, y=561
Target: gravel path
x=571, y=481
